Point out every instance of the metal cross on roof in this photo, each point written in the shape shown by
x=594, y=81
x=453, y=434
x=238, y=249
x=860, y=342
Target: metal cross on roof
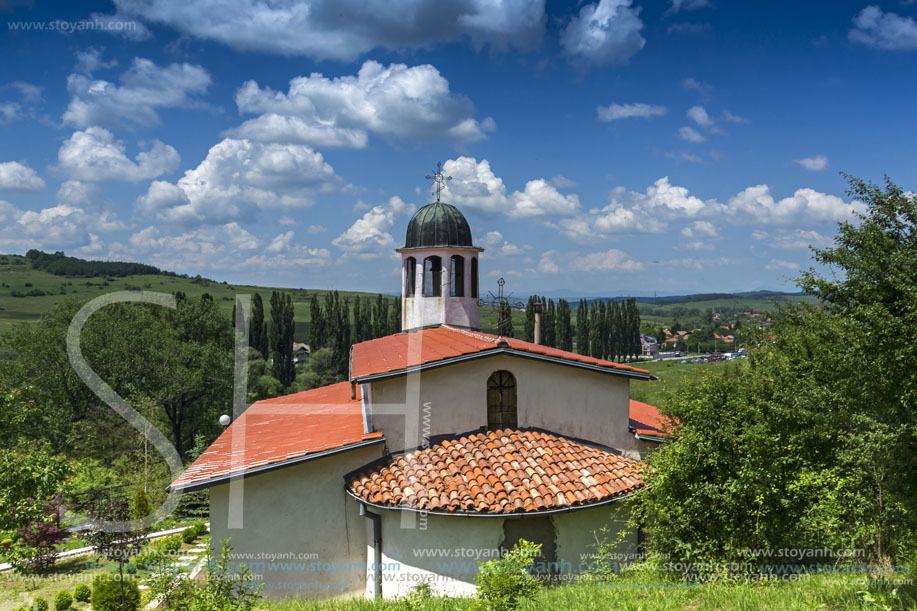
x=501, y=305
x=439, y=180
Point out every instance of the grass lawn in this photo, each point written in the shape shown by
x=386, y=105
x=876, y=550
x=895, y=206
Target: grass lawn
x=673, y=375
x=67, y=573
x=816, y=592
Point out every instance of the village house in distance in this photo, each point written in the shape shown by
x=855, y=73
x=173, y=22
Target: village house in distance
x=445, y=445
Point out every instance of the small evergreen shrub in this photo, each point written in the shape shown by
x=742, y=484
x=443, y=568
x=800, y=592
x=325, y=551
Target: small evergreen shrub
x=39, y=604
x=63, y=601
x=501, y=583
x=106, y=594
x=189, y=534
x=172, y=543
x=82, y=593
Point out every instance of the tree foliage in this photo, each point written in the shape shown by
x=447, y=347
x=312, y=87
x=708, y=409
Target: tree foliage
x=812, y=444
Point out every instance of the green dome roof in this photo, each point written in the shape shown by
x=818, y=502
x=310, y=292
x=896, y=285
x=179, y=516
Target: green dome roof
x=438, y=224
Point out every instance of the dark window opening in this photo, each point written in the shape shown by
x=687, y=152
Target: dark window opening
x=432, y=277
x=537, y=530
x=501, y=401
x=410, y=276
x=457, y=284
x=474, y=277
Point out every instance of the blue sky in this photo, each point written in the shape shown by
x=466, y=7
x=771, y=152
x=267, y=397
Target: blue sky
x=607, y=147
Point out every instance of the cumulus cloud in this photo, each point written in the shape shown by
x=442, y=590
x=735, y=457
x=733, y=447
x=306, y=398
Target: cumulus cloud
x=90, y=60
x=494, y=242
x=19, y=177
x=144, y=88
x=780, y=264
x=692, y=84
x=475, y=186
x=607, y=32
x=94, y=155
x=411, y=103
x=345, y=30
x=612, y=260
x=794, y=238
x=700, y=235
x=372, y=232
x=690, y=134
x=814, y=164
x=629, y=111
x=757, y=205
x=887, y=31
x=238, y=178
x=56, y=227
x=728, y=116
x=688, y=5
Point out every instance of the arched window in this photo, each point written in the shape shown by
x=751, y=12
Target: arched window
x=474, y=277
x=501, y=401
x=410, y=276
x=432, y=277
x=457, y=281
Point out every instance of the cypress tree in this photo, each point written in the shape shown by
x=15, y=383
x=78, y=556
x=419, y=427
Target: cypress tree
x=530, y=319
x=394, y=318
x=317, y=326
x=562, y=325
x=281, y=338
x=549, y=321
x=357, y=320
x=582, y=327
x=256, y=325
x=595, y=330
x=505, y=320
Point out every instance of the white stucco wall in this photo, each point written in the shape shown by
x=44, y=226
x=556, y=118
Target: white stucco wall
x=302, y=517
x=565, y=400
x=439, y=550
x=444, y=551
x=419, y=311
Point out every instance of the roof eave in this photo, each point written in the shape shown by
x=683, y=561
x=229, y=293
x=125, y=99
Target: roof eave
x=637, y=375
x=223, y=479
x=479, y=514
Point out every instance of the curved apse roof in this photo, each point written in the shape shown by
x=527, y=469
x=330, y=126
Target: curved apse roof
x=438, y=224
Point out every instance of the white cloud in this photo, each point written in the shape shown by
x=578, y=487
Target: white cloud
x=119, y=25
x=57, y=227
x=540, y=198
x=688, y=5
x=78, y=193
x=700, y=229
x=343, y=31
x=19, y=177
x=728, y=116
x=548, y=263
x=411, y=103
x=238, y=178
x=692, y=84
x=690, y=134
x=608, y=261
x=699, y=115
x=628, y=111
x=607, y=32
x=757, y=205
x=814, y=164
x=795, y=238
x=281, y=242
x=780, y=264
x=884, y=30
x=89, y=60
x=145, y=88
x=30, y=93
x=494, y=242
x=94, y=155
x=562, y=182
x=316, y=229
x=475, y=186
x=371, y=232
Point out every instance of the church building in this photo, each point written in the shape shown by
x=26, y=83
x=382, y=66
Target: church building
x=445, y=445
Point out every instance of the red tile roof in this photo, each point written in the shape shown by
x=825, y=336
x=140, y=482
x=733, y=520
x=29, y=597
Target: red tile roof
x=394, y=353
x=279, y=430
x=497, y=472
x=645, y=419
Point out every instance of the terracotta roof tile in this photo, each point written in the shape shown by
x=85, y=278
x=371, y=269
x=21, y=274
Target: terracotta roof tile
x=499, y=488
x=281, y=429
x=645, y=419
x=398, y=352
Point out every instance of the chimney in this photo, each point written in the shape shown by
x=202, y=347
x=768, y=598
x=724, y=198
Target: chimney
x=537, y=306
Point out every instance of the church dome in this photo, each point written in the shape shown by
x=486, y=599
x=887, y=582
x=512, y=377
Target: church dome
x=438, y=224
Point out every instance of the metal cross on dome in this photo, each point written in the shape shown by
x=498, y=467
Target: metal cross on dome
x=499, y=302
x=439, y=180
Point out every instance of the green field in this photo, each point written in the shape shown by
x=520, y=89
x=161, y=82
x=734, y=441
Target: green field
x=16, y=274
x=673, y=375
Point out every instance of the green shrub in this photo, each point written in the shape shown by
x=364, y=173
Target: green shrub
x=63, y=601
x=501, y=583
x=82, y=593
x=189, y=534
x=172, y=543
x=39, y=604
x=106, y=594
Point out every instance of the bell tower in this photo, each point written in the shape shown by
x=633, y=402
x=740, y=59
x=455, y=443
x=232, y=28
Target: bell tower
x=439, y=271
